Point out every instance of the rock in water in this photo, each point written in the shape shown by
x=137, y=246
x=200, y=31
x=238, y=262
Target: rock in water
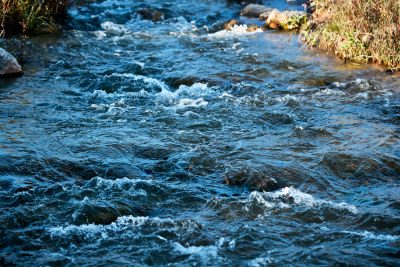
x=276, y=19
x=279, y=20
x=253, y=10
x=9, y=65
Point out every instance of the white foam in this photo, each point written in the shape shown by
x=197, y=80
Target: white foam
x=127, y=227
x=145, y=79
x=183, y=27
x=236, y=30
x=226, y=95
x=88, y=231
x=100, y=35
x=192, y=103
x=183, y=96
x=364, y=95
x=284, y=197
x=119, y=183
x=92, y=231
x=197, y=90
x=363, y=84
x=369, y=235
x=286, y=97
x=328, y=91
x=204, y=252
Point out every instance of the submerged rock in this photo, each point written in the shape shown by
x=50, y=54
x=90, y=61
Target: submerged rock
x=9, y=65
x=151, y=14
x=253, y=10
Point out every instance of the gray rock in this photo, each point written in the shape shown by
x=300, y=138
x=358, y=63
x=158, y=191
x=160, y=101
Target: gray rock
x=253, y=10
x=8, y=64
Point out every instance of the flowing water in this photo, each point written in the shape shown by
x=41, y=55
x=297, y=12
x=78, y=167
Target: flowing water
x=132, y=142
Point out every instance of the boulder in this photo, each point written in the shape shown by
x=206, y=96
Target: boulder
x=277, y=19
x=254, y=10
x=9, y=65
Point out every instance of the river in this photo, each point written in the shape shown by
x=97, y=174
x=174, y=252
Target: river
x=131, y=142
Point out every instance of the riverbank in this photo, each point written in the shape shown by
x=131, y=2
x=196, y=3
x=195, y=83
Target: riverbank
x=357, y=31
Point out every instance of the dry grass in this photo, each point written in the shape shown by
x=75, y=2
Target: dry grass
x=357, y=30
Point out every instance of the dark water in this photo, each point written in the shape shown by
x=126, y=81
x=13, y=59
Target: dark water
x=129, y=142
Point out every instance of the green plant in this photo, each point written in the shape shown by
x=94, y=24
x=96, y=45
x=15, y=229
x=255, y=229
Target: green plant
x=295, y=22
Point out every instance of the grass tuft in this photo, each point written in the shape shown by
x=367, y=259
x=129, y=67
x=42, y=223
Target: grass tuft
x=357, y=30
x=31, y=16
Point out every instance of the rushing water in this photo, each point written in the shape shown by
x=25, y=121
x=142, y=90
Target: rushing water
x=129, y=142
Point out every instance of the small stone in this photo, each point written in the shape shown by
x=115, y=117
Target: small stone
x=253, y=28
x=9, y=65
x=253, y=10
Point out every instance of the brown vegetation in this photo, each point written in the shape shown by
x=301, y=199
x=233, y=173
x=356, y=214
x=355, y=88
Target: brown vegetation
x=357, y=30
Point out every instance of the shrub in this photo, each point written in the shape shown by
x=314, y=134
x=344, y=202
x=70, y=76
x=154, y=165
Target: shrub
x=31, y=16
x=357, y=30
